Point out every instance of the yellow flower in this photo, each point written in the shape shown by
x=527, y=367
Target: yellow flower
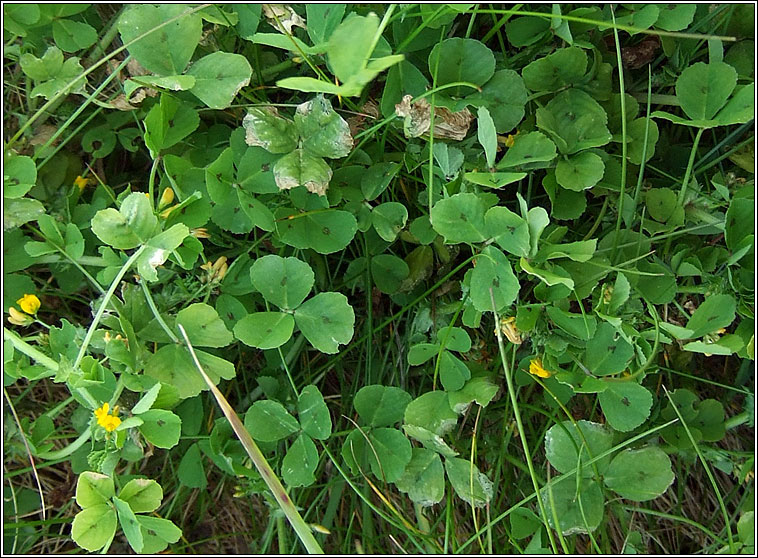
x=510, y=139
x=166, y=198
x=29, y=303
x=19, y=318
x=535, y=367
x=81, y=182
x=109, y=422
x=200, y=232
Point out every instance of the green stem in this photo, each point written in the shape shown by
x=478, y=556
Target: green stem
x=520, y=426
x=622, y=99
x=103, y=304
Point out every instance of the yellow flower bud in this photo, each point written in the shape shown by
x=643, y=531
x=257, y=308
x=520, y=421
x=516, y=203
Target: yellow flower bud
x=29, y=303
x=19, y=318
x=509, y=329
x=166, y=198
x=200, y=232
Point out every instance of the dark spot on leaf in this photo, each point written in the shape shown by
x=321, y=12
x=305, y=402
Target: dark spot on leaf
x=230, y=315
x=571, y=116
x=625, y=402
x=283, y=281
x=265, y=167
x=160, y=422
x=326, y=319
x=269, y=330
x=218, y=176
x=203, y=326
x=236, y=209
x=171, y=123
x=528, y=156
x=15, y=180
x=326, y=231
x=96, y=144
x=463, y=217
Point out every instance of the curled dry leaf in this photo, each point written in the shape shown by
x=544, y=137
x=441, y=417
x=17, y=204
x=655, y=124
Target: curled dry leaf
x=283, y=17
x=447, y=124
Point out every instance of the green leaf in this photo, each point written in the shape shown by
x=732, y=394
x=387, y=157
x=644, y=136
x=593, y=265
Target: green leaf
x=142, y=495
x=740, y=108
x=636, y=137
x=567, y=506
x=639, y=475
x=485, y=131
x=269, y=421
x=327, y=321
x=580, y=171
x=326, y=232
x=147, y=400
x=376, y=178
x=203, y=326
x=422, y=352
x=566, y=66
x=19, y=211
x=431, y=411
x=129, y=525
x=94, y=527
x=19, y=175
x=424, y=478
x=607, y=352
x=169, y=122
x=381, y=405
x=675, y=17
x=532, y=147
x=457, y=59
x=158, y=249
x=18, y=17
x=715, y=312
x=313, y=413
x=702, y=89
x=429, y=440
x=453, y=372
x=393, y=450
x=660, y=203
x=161, y=428
x=493, y=179
x=389, y=219
x=460, y=218
x=284, y=282
x=173, y=365
x=563, y=444
x=299, y=168
x=469, y=483
x=42, y=69
x=493, y=271
x=65, y=81
x=504, y=96
x=525, y=31
x=659, y=288
x=93, y=489
x=388, y=272
x=129, y=227
x=300, y=462
x=454, y=339
x=323, y=19
x=480, y=389
x=358, y=32
x=157, y=533
x=265, y=128
x=218, y=78
x=580, y=251
x=190, y=471
x=265, y=330
x=574, y=121
x=71, y=36
x=324, y=133
x=168, y=50
x=170, y=83
x=626, y=405
x=510, y=231
x=582, y=327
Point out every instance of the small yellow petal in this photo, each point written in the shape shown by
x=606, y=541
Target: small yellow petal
x=81, y=182
x=535, y=368
x=166, y=198
x=29, y=303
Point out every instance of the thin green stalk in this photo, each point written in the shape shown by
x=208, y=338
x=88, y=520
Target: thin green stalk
x=641, y=172
x=690, y=165
x=622, y=98
x=154, y=310
x=104, y=303
x=708, y=472
x=520, y=426
x=286, y=504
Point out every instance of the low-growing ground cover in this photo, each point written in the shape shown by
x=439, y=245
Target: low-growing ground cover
x=427, y=278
